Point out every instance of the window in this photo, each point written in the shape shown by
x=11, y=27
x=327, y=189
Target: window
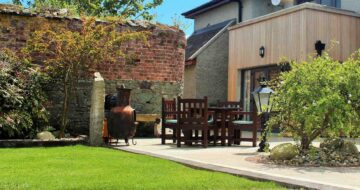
x=251, y=80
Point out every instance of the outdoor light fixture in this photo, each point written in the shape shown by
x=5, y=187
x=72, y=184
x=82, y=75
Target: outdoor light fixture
x=262, y=96
x=320, y=47
x=262, y=51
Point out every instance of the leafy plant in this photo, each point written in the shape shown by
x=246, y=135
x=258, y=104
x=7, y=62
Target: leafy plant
x=179, y=22
x=71, y=55
x=320, y=96
x=22, y=111
x=124, y=8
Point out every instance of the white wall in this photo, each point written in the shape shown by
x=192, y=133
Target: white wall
x=352, y=5
x=220, y=14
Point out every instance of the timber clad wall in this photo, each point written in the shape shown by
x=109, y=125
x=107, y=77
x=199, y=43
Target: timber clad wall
x=157, y=72
x=291, y=34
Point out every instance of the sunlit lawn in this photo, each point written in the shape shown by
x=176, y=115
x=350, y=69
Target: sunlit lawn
x=82, y=167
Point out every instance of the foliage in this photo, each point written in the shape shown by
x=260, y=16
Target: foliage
x=69, y=55
x=80, y=167
x=22, y=112
x=179, y=22
x=124, y=8
x=351, y=88
x=320, y=96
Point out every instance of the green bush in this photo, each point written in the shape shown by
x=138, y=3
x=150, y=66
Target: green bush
x=319, y=96
x=22, y=113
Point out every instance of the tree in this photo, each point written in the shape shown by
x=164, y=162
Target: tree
x=70, y=55
x=315, y=98
x=124, y=8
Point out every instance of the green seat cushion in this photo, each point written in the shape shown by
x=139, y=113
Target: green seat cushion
x=211, y=120
x=171, y=121
x=174, y=121
x=242, y=122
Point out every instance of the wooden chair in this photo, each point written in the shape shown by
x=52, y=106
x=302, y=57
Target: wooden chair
x=193, y=114
x=169, y=121
x=240, y=123
x=231, y=104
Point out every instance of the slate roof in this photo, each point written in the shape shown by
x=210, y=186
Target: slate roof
x=201, y=37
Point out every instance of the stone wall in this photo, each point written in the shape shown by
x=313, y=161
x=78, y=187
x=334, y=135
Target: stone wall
x=212, y=70
x=157, y=71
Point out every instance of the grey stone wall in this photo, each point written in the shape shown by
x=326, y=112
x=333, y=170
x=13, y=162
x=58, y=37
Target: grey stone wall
x=145, y=98
x=212, y=70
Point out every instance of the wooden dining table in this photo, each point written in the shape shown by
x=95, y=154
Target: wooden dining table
x=222, y=112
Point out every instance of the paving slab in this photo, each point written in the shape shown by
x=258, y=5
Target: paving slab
x=233, y=160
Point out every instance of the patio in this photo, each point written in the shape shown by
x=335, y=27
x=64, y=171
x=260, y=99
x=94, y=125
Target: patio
x=233, y=160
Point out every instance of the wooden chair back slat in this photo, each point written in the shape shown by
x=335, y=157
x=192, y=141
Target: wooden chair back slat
x=192, y=110
x=168, y=112
x=168, y=109
x=230, y=104
x=192, y=115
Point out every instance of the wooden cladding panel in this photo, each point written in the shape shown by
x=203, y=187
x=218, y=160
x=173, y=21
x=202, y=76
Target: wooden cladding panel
x=291, y=36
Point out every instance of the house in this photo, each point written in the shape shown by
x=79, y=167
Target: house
x=222, y=56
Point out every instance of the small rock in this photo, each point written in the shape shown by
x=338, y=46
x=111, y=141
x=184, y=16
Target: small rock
x=63, y=12
x=83, y=137
x=332, y=144
x=285, y=151
x=45, y=135
x=349, y=148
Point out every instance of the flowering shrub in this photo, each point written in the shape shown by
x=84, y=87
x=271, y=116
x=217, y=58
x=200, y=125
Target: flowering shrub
x=22, y=113
x=320, y=96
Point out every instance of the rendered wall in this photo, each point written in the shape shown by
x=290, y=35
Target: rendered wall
x=215, y=16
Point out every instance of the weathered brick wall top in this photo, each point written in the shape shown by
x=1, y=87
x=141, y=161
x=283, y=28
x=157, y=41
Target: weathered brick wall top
x=161, y=60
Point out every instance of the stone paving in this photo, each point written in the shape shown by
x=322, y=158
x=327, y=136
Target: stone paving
x=233, y=160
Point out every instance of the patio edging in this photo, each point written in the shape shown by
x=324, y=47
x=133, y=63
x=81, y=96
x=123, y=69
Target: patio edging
x=285, y=181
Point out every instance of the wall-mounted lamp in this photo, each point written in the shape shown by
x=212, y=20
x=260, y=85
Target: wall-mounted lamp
x=262, y=51
x=320, y=47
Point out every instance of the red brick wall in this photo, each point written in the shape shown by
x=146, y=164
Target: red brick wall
x=158, y=71
x=162, y=60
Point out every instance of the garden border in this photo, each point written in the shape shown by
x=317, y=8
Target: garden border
x=21, y=143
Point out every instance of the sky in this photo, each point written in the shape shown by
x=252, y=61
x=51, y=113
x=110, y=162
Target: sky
x=170, y=9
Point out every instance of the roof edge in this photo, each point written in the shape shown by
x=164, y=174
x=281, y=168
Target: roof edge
x=206, y=7
x=312, y=6
x=207, y=44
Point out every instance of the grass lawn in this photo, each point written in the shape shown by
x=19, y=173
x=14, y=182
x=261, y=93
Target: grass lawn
x=82, y=167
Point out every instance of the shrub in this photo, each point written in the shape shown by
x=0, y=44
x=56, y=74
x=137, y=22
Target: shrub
x=318, y=96
x=69, y=56
x=22, y=113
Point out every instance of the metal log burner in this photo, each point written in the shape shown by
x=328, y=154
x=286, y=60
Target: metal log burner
x=121, y=119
